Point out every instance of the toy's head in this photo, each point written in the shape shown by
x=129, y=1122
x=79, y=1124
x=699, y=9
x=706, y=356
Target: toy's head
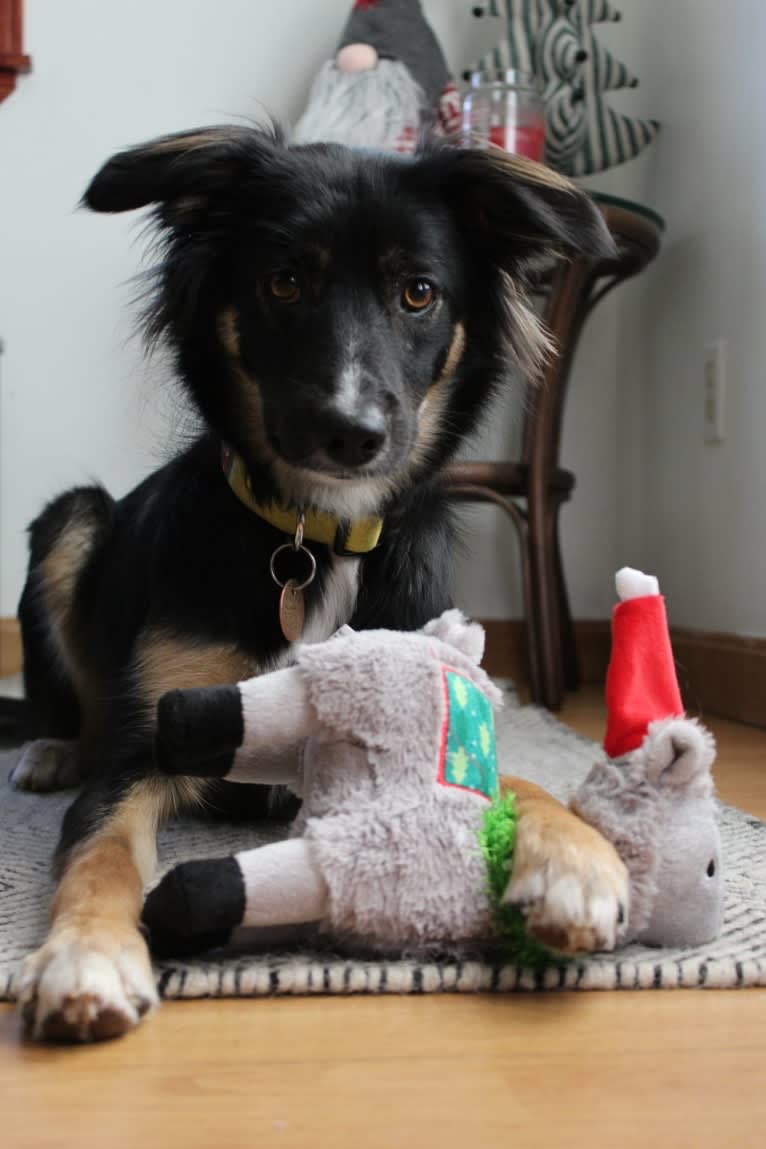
x=656, y=805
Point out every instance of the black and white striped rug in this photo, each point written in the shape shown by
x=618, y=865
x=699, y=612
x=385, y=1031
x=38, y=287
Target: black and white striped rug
x=531, y=743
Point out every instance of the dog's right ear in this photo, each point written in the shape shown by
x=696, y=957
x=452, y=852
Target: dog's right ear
x=192, y=164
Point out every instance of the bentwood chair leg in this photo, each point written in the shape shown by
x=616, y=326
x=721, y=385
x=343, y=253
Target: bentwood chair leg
x=545, y=595
x=472, y=491
x=530, y=615
x=569, y=661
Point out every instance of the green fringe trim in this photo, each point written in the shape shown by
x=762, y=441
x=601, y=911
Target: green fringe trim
x=497, y=838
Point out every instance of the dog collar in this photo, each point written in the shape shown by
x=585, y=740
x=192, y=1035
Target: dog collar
x=346, y=538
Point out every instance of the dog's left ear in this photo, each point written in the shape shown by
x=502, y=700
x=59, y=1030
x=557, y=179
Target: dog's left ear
x=521, y=209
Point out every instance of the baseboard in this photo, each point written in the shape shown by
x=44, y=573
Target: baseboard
x=506, y=650
x=10, y=647
x=721, y=674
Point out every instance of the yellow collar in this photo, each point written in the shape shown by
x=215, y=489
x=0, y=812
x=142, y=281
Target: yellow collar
x=355, y=538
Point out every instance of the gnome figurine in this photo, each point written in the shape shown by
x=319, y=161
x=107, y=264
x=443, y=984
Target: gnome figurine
x=653, y=796
x=387, y=85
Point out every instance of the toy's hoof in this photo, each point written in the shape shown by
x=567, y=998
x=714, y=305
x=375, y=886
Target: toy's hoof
x=196, y=907
x=199, y=731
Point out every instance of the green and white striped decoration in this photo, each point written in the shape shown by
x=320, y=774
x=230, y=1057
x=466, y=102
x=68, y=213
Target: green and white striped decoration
x=554, y=39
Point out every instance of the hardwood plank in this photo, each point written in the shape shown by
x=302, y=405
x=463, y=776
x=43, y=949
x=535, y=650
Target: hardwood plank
x=633, y=1069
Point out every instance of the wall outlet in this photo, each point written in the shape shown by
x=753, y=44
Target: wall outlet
x=714, y=378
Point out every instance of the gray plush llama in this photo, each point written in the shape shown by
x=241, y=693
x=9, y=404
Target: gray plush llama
x=396, y=767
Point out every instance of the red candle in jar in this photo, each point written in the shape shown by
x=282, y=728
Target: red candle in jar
x=507, y=112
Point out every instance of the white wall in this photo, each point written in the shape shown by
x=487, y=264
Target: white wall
x=77, y=400
x=706, y=505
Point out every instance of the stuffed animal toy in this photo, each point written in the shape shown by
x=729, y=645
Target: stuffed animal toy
x=556, y=41
x=387, y=84
x=403, y=842
x=653, y=796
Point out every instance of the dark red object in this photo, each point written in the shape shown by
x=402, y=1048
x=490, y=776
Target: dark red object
x=12, y=59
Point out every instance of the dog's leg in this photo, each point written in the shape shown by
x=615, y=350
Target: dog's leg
x=48, y=764
x=51, y=761
x=92, y=978
x=61, y=540
x=567, y=879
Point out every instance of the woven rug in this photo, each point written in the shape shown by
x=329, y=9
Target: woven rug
x=532, y=744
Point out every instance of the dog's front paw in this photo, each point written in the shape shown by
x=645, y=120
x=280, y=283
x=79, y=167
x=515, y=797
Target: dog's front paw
x=86, y=987
x=47, y=764
x=569, y=884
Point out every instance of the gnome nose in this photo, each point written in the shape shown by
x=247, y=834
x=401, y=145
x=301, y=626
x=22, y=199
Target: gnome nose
x=357, y=58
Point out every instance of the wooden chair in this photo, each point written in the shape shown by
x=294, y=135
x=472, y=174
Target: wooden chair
x=532, y=491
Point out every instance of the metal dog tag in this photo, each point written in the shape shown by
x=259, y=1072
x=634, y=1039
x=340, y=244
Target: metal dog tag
x=292, y=611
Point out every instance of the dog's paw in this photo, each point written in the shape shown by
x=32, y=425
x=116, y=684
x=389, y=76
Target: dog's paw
x=569, y=884
x=47, y=764
x=78, y=987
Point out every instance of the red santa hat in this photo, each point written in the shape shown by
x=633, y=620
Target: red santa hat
x=641, y=683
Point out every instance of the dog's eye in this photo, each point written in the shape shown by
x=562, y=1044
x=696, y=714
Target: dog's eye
x=285, y=287
x=418, y=294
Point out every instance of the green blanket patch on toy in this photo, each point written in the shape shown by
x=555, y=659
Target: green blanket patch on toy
x=497, y=839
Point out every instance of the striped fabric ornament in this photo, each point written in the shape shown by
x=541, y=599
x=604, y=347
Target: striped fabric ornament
x=554, y=40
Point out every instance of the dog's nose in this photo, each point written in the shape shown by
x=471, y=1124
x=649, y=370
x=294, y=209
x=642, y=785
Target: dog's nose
x=353, y=440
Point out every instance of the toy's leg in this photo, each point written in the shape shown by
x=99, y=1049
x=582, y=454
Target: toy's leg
x=198, y=905
x=236, y=732
x=567, y=879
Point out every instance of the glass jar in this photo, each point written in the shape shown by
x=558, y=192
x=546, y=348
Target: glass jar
x=508, y=112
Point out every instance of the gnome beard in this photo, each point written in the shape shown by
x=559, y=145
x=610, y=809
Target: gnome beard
x=379, y=108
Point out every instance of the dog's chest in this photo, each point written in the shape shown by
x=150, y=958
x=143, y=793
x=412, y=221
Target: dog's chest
x=337, y=603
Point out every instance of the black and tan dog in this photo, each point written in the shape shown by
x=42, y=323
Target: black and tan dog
x=340, y=320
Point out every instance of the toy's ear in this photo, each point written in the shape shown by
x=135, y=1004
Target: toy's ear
x=454, y=628
x=679, y=754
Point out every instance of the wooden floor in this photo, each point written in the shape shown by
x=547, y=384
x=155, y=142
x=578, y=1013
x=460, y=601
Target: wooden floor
x=655, y=1070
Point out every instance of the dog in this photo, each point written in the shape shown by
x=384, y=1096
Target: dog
x=340, y=320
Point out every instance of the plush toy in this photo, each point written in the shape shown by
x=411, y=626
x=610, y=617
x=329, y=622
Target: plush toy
x=653, y=796
x=389, y=739
x=555, y=40
x=404, y=841
x=387, y=84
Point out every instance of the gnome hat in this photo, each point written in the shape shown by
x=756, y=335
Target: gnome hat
x=398, y=30
x=641, y=683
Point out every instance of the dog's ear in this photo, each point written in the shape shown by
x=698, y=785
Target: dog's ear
x=521, y=209
x=185, y=166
